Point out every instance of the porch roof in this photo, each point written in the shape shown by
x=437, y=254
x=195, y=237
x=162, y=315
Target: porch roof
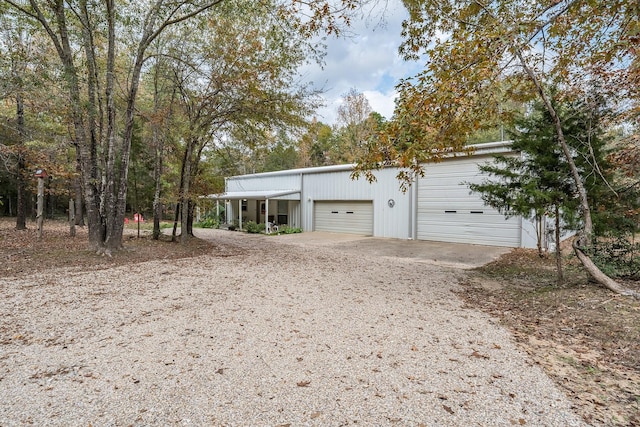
x=255, y=195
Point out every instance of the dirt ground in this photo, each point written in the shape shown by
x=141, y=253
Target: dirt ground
x=585, y=337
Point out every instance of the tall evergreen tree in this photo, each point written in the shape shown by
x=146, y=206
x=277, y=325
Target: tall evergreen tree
x=538, y=182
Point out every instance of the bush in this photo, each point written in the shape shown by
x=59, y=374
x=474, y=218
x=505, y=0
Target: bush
x=254, y=228
x=285, y=229
x=617, y=257
x=208, y=223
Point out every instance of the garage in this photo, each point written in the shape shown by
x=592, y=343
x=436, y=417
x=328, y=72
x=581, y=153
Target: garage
x=354, y=217
x=447, y=212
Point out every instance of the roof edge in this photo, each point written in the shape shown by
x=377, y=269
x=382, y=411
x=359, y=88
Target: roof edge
x=478, y=149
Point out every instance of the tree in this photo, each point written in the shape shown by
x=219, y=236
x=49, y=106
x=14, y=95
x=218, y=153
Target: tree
x=534, y=46
x=539, y=180
x=354, y=125
x=315, y=146
x=234, y=81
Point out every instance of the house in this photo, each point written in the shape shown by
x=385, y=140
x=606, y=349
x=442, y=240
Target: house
x=438, y=206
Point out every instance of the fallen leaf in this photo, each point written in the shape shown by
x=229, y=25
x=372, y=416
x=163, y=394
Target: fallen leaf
x=478, y=355
x=304, y=383
x=448, y=409
x=315, y=415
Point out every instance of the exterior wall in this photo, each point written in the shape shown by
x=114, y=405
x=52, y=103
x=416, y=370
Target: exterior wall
x=269, y=181
x=333, y=183
x=335, y=186
x=295, y=214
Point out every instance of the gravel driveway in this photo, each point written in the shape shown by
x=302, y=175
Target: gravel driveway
x=262, y=333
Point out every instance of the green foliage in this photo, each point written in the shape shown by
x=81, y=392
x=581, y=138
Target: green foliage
x=539, y=179
x=254, y=228
x=285, y=229
x=208, y=223
x=617, y=256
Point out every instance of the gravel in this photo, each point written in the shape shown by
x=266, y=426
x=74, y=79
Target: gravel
x=271, y=334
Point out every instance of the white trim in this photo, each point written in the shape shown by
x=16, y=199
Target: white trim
x=253, y=195
x=300, y=171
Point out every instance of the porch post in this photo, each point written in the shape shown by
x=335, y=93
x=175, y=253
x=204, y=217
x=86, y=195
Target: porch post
x=266, y=216
x=239, y=214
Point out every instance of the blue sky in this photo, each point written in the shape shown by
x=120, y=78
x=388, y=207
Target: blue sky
x=367, y=61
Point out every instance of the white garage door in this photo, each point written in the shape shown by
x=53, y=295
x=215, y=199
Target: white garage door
x=354, y=217
x=448, y=213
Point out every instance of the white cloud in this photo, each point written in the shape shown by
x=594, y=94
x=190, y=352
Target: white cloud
x=368, y=61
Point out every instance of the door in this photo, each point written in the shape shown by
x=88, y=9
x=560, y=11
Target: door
x=448, y=212
x=355, y=217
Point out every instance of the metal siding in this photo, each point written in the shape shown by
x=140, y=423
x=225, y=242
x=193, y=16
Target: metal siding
x=338, y=186
x=448, y=212
x=294, y=214
x=261, y=183
x=344, y=217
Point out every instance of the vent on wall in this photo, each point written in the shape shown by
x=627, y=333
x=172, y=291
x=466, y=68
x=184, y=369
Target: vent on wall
x=477, y=212
x=450, y=211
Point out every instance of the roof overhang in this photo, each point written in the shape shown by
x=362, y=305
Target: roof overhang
x=257, y=195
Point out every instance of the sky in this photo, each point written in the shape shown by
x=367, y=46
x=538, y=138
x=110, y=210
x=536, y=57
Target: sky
x=367, y=61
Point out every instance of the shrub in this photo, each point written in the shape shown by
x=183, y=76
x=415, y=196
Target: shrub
x=285, y=229
x=208, y=223
x=617, y=256
x=254, y=228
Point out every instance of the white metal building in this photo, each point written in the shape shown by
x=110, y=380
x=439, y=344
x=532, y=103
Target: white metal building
x=438, y=206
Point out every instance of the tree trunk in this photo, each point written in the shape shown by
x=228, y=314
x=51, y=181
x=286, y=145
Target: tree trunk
x=539, y=232
x=558, y=249
x=157, y=177
x=184, y=223
x=185, y=180
x=79, y=217
x=175, y=222
x=72, y=218
x=21, y=206
x=158, y=144
x=598, y=275
x=190, y=218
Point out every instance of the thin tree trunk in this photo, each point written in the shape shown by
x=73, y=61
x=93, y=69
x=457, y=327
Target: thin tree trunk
x=539, y=233
x=190, y=218
x=21, y=206
x=158, y=144
x=175, y=222
x=558, y=249
x=157, y=177
x=78, y=200
x=186, y=181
